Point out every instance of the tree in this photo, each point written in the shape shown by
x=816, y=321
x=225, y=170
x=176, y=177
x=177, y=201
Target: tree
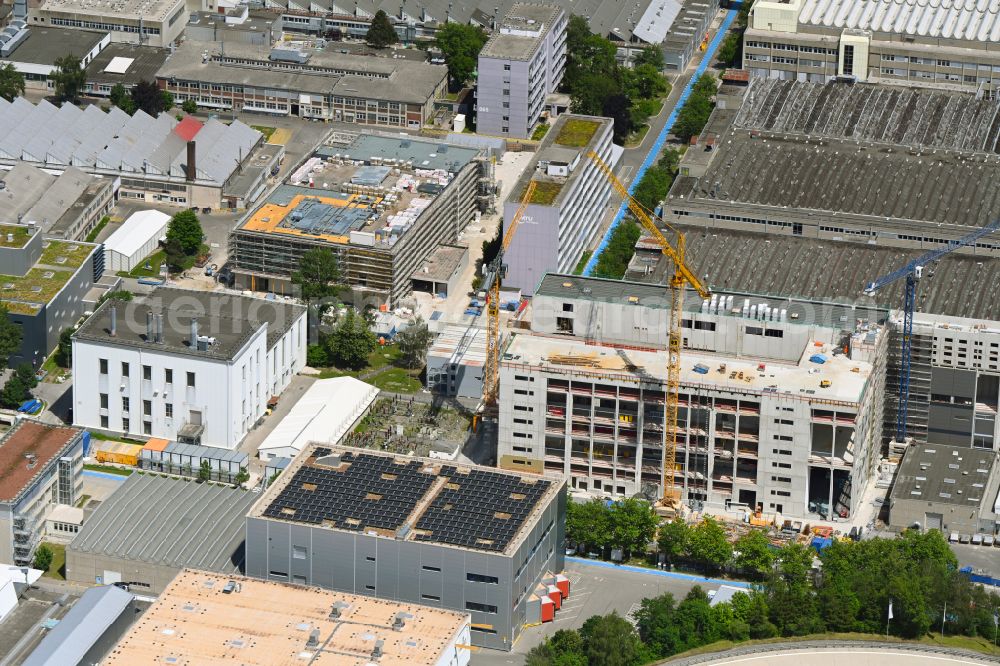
x=613, y=262
x=166, y=100
x=708, y=545
x=64, y=352
x=460, y=44
x=381, y=33
x=69, y=78
x=655, y=623
x=122, y=98
x=189, y=106
x=11, y=82
x=14, y=392
x=587, y=55
x=26, y=374
x=117, y=295
x=413, y=342
x=588, y=523
x=754, y=554
x=651, y=55
x=609, y=640
x=729, y=50
x=751, y=608
x=242, y=477
x=317, y=356
x=205, y=471
x=563, y=648
x=692, y=117
x=350, y=342
x=673, y=540
x=633, y=524
x=646, y=82
x=10, y=337
x=185, y=229
x=319, y=275
x=43, y=557
x=791, y=600
x=177, y=258
x=147, y=97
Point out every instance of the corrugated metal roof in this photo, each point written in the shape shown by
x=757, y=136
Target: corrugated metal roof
x=977, y=20
x=656, y=20
x=82, y=627
x=169, y=521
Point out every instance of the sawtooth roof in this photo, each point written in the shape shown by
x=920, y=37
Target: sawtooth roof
x=977, y=20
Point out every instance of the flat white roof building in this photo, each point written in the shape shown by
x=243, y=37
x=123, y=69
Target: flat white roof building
x=149, y=22
x=136, y=239
x=327, y=411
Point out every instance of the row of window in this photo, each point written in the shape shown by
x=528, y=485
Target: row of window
x=147, y=373
x=107, y=27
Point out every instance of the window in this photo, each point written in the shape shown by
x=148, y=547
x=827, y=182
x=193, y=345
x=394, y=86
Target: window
x=104, y=401
x=567, y=307
x=299, y=552
x=104, y=421
x=370, y=588
x=481, y=578
x=147, y=372
x=506, y=68
x=849, y=59
x=125, y=425
x=124, y=369
x=277, y=574
x=168, y=376
x=169, y=410
x=781, y=465
x=430, y=597
x=483, y=630
x=104, y=366
x=190, y=379
x=370, y=558
x=147, y=407
x=125, y=404
x=427, y=567
x=482, y=608
x=147, y=428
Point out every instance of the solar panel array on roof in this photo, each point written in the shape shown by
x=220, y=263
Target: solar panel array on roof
x=482, y=510
x=314, y=217
x=371, y=492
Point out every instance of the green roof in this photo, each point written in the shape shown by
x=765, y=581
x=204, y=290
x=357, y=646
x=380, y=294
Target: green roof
x=19, y=232
x=545, y=192
x=577, y=132
x=25, y=294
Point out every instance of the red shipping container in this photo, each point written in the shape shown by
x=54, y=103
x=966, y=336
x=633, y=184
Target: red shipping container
x=556, y=596
x=548, y=609
x=563, y=584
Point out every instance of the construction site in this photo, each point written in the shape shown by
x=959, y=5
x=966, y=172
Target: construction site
x=383, y=204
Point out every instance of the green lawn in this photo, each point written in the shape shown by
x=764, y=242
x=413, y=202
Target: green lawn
x=108, y=469
x=265, y=130
x=540, y=132
x=378, y=359
x=635, y=138
x=155, y=261
x=580, y=265
x=97, y=230
x=82, y=502
x=57, y=569
x=396, y=380
x=52, y=369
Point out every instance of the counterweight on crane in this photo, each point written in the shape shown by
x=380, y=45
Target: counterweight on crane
x=682, y=276
x=912, y=272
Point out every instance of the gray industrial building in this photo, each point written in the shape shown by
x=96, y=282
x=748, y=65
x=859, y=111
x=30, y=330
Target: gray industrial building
x=520, y=65
x=571, y=193
x=46, y=286
x=385, y=205
x=865, y=179
x=66, y=207
x=946, y=488
x=406, y=529
x=153, y=526
x=688, y=31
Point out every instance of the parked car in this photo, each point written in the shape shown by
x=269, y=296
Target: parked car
x=988, y=540
x=977, y=539
x=963, y=538
x=953, y=538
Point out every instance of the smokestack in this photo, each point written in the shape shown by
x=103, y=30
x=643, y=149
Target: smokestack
x=192, y=170
x=159, y=329
x=114, y=321
x=149, y=326
x=194, y=334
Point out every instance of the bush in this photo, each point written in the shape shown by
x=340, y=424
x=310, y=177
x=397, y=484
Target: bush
x=613, y=261
x=317, y=356
x=43, y=557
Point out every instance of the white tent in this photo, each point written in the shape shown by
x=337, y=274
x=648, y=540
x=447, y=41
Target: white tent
x=327, y=411
x=136, y=239
x=13, y=581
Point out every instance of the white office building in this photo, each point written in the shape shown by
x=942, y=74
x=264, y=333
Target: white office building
x=563, y=216
x=189, y=366
x=520, y=65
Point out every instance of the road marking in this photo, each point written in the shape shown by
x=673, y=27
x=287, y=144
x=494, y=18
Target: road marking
x=624, y=174
x=848, y=652
x=630, y=615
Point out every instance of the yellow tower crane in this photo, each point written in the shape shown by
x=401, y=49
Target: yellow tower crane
x=494, y=275
x=682, y=275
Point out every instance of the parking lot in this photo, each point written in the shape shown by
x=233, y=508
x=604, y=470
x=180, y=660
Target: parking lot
x=596, y=588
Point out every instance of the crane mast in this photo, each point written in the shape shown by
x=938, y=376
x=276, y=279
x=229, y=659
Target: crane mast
x=682, y=276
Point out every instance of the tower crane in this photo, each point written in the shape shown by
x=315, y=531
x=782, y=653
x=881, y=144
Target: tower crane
x=912, y=272
x=495, y=273
x=682, y=276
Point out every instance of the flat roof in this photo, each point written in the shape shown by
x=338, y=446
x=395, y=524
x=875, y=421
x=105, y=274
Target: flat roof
x=127, y=9
x=407, y=498
x=521, y=31
x=946, y=474
x=575, y=356
x=263, y=623
x=229, y=318
x=43, y=45
x=58, y=263
x=170, y=521
x=879, y=151
x=18, y=231
x=441, y=264
x=145, y=63
x=415, y=152
x=44, y=442
x=960, y=285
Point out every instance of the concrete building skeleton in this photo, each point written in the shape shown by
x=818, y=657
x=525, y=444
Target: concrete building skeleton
x=773, y=410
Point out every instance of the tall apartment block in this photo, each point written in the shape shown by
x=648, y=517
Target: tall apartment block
x=520, y=64
x=946, y=45
x=780, y=399
x=563, y=216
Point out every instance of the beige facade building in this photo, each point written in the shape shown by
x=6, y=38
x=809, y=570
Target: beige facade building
x=149, y=22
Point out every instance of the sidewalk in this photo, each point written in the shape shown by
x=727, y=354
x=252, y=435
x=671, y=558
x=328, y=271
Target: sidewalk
x=658, y=572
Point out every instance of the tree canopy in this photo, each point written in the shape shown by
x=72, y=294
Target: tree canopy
x=319, y=275
x=381, y=33
x=122, y=98
x=413, y=342
x=11, y=82
x=613, y=261
x=185, y=229
x=69, y=78
x=708, y=545
x=693, y=116
x=10, y=337
x=148, y=97
x=461, y=43
x=350, y=342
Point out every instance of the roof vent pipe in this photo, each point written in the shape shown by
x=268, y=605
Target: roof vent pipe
x=159, y=329
x=149, y=326
x=114, y=321
x=194, y=334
